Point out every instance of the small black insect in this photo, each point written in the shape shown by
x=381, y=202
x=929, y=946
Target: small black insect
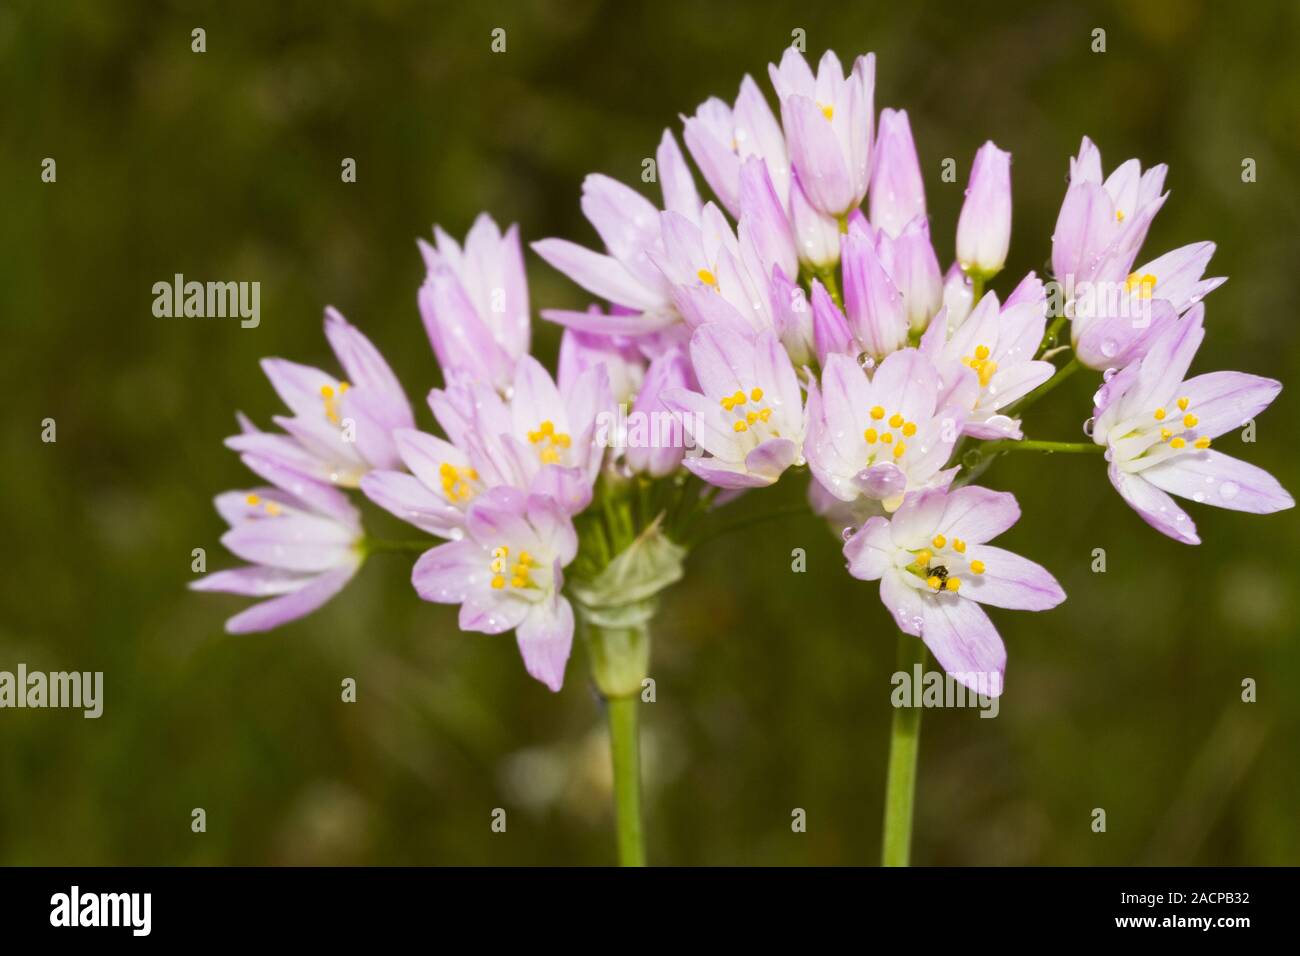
x=938, y=571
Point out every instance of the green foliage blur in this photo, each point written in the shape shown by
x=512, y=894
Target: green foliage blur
x=772, y=686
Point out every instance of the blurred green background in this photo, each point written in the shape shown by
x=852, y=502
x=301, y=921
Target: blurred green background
x=772, y=686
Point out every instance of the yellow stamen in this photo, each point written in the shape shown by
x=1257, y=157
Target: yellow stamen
x=1190, y=420
x=707, y=277
x=982, y=352
x=326, y=392
x=272, y=508
x=498, y=582
x=1119, y=215
x=1202, y=443
x=887, y=437
x=738, y=398
x=954, y=584
x=939, y=541
x=828, y=111
x=1160, y=414
x=922, y=558
x=899, y=450
x=977, y=567
x=740, y=427
x=1183, y=403
x=959, y=545
x=1177, y=442
x=253, y=500
x=870, y=436
x=896, y=420
x=909, y=429
x=934, y=582
x=877, y=413
x=756, y=395
x=1166, y=434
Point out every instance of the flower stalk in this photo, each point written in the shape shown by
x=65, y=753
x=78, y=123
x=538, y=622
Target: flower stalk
x=900, y=782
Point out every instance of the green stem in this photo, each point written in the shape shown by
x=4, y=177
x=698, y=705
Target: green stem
x=380, y=545
x=1064, y=372
x=626, y=753
x=1068, y=447
x=1049, y=338
x=832, y=284
x=976, y=288
x=900, y=782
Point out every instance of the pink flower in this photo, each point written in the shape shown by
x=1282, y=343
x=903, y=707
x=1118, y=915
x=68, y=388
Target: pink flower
x=874, y=439
x=340, y=429
x=987, y=362
x=749, y=417
x=626, y=274
x=721, y=138
x=474, y=302
x=897, y=191
x=657, y=451
x=506, y=573
x=935, y=570
x=1102, y=225
x=302, y=537
x=828, y=121
x=1157, y=429
x=984, y=227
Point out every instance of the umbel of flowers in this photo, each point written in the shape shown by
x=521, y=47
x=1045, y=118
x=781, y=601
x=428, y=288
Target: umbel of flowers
x=802, y=323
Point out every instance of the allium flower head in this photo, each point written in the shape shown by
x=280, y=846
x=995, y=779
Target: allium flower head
x=936, y=570
x=721, y=138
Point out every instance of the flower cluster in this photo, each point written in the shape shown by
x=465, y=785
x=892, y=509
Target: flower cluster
x=802, y=321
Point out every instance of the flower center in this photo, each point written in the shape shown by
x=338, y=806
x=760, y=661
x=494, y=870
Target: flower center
x=749, y=413
x=330, y=399
x=940, y=564
x=886, y=438
x=456, y=482
x=984, y=366
x=550, y=443
x=1144, y=284
x=520, y=574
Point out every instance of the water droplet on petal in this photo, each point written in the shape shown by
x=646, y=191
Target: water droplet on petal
x=1228, y=490
x=1198, y=497
x=1109, y=347
x=1107, y=375
x=866, y=361
x=848, y=532
x=1088, y=426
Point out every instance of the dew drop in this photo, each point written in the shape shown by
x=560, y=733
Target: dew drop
x=848, y=532
x=1107, y=375
x=1088, y=426
x=1198, y=497
x=1228, y=490
x=1109, y=347
x=866, y=361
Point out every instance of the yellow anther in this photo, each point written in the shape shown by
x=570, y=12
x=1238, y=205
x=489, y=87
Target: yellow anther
x=1177, y=442
x=518, y=582
x=923, y=558
x=253, y=500
x=471, y=474
x=525, y=558
x=498, y=565
x=959, y=545
x=828, y=112
x=498, y=582
x=343, y=387
x=953, y=584
x=272, y=508
x=870, y=435
x=877, y=413
x=500, y=552
x=740, y=427
x=899, y=450
x=1166, y=434
x=1183, y=403
x=977, y=567
x=896, y=420
x=549, y=456
x=534, y=437
x=1190, y=420
x=1119, y=215
x=547, y=428
x=765, y=414
x=987, y=371
x=909, y=429
x=727, y=402
x=563, y=440
x=326, y=392
x=887, y=437
x=738, y=398
x=756, y=395
x=1202, y=443
x=981, y=352
x=707, y=277
x=939, y=541
x=934, y=582
x=751, y=417
x=1160, y=414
